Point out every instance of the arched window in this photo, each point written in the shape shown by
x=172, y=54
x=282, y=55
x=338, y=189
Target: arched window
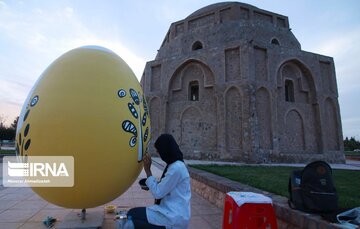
x=275, y=41
x=194, y=91
x=197, y=45
x=289, y=91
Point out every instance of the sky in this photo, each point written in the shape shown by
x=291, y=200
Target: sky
x=33, y=33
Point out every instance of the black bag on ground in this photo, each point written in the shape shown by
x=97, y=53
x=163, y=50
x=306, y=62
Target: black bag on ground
x=312, y=189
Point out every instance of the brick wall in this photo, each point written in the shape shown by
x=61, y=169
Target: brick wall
x=247, y=61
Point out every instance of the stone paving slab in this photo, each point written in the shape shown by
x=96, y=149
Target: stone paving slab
x=94, y=220
x=22, y=208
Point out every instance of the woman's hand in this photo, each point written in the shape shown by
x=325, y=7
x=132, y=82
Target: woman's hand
x=147, y=164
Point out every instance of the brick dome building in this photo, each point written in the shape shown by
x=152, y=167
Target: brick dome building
x=231, y=83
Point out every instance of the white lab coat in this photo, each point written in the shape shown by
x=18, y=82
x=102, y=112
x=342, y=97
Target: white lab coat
x=175, y=192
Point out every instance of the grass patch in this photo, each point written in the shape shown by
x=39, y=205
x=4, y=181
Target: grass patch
x=352, y=153
x=7, y=152
x=275, y=179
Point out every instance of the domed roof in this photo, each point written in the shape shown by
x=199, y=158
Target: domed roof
x=214, y=6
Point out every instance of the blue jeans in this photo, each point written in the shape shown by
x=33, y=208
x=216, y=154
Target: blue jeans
x=139, y=218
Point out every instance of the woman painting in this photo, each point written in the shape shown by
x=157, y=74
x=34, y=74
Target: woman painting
x=172, y=192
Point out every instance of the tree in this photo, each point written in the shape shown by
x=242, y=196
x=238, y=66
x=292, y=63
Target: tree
x=2, y=128
x=350, y=145
x=2, y=121
x=7, y=133
x=15, y=122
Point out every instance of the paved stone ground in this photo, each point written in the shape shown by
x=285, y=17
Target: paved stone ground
x=24, y=209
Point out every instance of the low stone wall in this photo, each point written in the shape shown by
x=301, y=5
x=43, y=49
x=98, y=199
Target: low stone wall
x=214, y=189
x=354, y=157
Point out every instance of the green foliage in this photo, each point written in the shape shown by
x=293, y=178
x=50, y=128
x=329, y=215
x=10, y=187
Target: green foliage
x=7, y=152
x=14, y=123
x=352, y=153
x=8, y=133
x=351, y=145
x=275, y=179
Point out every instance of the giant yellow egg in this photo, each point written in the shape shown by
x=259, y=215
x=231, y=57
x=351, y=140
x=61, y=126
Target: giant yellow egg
x=87, y=104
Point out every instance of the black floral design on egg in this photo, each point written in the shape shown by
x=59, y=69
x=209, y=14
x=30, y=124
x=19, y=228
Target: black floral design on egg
x=132, y=141
x=27, y=144
x=146, y=134
x=26, y=131
x=133, y=110
x=138, y=135
x=34, y=100
x=144, y=119
x=134, y=96
x=24, y=142
x=128, y=126
x=26, y=115
x=121, y=93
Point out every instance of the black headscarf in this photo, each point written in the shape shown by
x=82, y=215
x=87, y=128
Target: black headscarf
x=169, y=152
x=168, y=149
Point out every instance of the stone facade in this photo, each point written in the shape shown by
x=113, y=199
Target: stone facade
x=231, y=82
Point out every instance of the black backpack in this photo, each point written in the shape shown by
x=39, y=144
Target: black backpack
x=312, y=189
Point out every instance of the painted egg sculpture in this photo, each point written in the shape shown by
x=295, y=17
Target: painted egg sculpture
x=88, y=104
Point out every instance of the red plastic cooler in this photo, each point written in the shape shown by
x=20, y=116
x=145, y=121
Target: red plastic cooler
x=248, y=210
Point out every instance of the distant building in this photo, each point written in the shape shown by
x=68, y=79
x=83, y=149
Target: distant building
x=231, y=83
